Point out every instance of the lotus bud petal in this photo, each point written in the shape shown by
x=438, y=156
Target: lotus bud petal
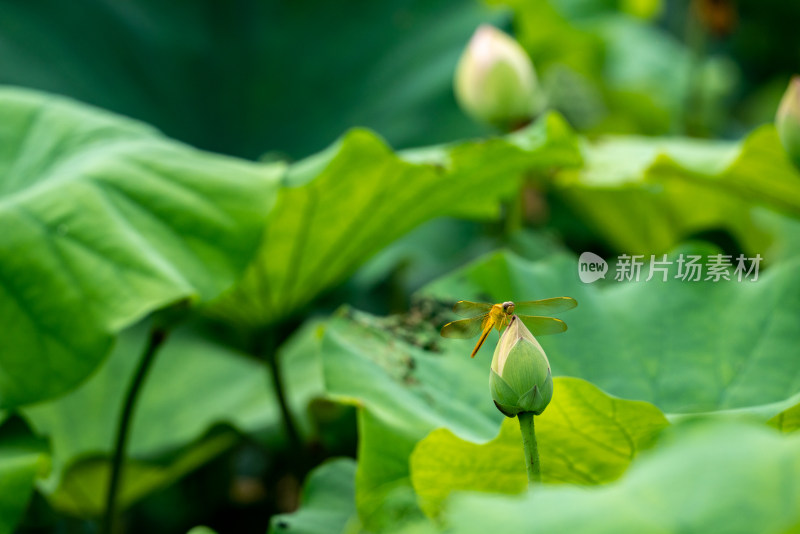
x=520, y=377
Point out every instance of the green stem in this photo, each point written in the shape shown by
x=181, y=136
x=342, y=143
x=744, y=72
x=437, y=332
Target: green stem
x=157, y=337
x=531, y=449
x=266, y=349
x=280, y=392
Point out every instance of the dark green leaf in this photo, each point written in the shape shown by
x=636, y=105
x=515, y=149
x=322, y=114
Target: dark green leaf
x=248, y=76
x=104, y=220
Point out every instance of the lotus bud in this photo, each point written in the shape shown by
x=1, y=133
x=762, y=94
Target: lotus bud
x=495, y=81
x=520, y=377
x=787, y=120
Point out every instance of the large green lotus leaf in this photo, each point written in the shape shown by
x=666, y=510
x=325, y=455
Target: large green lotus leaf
x=584, y=437
x=246, y=76
x=84, y=484
x=761, y=171
x=405, y=392
x=22, y=458
x=194, y=384
x=646, y=194
x=692, y=482
x=787, y=420
x=104, y=220
x=779, y=414
x=687, y=347
x=405, y=386
x=442, y=463
x=343, y=205
x=784, y=232
x=384, y=495
x=328, y=501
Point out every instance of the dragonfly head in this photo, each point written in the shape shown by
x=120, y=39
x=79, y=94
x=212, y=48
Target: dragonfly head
x=508, y=307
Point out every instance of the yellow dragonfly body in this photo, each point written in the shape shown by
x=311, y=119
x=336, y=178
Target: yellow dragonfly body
x=489, y=316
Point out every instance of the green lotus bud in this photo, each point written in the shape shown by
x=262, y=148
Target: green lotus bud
x=520, y=377
x=787, y=120
x=495, y=81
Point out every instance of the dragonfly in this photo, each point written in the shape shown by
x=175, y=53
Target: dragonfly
x=484, y=317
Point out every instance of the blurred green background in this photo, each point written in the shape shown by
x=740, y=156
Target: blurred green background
x=250, y=77
x=279, y=81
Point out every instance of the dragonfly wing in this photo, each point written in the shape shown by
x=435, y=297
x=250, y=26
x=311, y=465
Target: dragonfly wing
x=545, y=306
x=542, y=326
x=465, y=308
x=464, y=328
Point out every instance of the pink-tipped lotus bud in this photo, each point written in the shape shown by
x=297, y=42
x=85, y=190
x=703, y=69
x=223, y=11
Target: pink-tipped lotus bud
x=787, y=120
x=495, y=80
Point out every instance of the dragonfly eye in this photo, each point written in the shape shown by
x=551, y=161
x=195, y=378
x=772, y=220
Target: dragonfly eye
x=508, y=307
